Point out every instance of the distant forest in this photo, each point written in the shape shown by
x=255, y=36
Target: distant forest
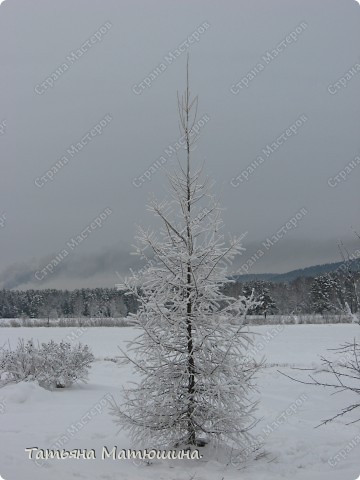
x=52, y=303
x=334, y=292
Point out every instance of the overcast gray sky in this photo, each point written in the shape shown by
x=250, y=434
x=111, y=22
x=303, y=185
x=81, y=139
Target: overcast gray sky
x=314, y=75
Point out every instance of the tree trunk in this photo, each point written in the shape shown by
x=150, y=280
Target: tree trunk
x=190, y=343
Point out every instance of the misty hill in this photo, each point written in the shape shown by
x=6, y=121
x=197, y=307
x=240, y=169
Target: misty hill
x=309, y=272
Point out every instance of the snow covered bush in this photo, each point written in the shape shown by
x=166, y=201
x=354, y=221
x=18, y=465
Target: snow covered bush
x=197, y=382
x=20, y=364
x=52, y=365
x=62, y=364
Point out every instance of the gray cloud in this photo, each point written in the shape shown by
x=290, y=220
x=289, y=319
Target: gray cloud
x=38, y=38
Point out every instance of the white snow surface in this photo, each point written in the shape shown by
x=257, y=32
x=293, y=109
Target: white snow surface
x=33, y=417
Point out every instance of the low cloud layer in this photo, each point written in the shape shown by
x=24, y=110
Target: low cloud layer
x=108, y=267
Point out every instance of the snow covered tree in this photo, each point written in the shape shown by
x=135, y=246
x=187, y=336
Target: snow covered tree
x=261, y=294
x=267, y=302
x=322, y=293
x=196, y=383
x=349, y=277
x=249, y=292
x=36, y=303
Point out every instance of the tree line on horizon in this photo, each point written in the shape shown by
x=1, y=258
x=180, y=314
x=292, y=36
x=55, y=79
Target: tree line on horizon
x=327, y=293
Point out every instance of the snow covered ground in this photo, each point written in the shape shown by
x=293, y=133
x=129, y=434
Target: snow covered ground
x=78, y=417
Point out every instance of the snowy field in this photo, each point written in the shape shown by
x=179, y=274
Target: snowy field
x=124, y=321
x=295, y=449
